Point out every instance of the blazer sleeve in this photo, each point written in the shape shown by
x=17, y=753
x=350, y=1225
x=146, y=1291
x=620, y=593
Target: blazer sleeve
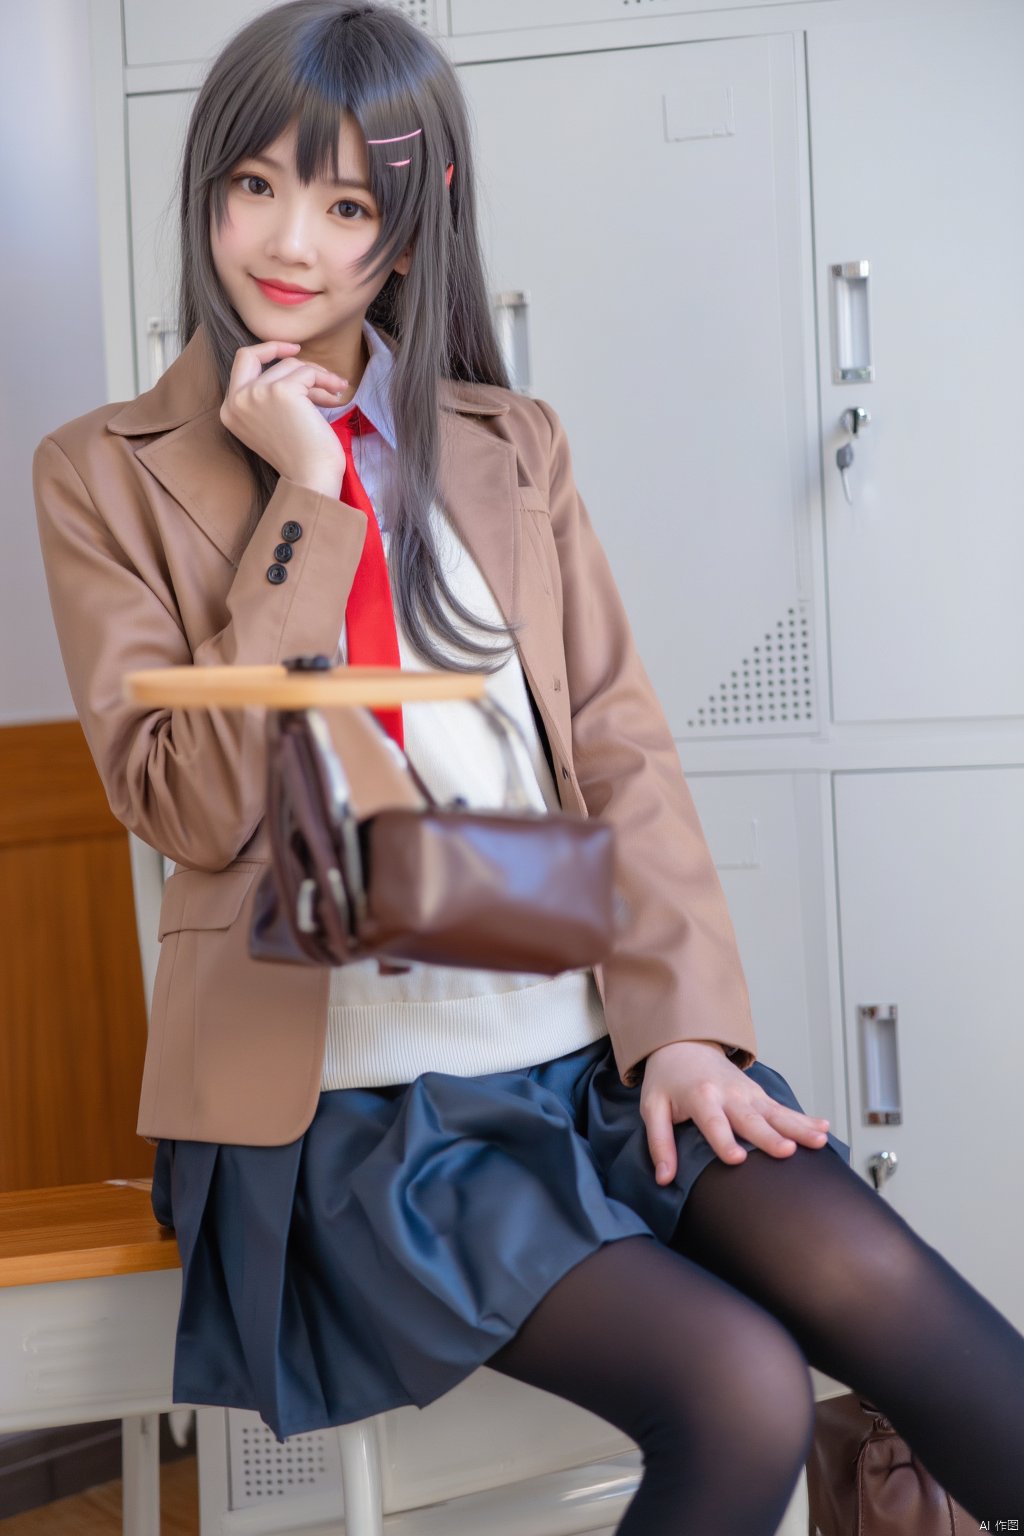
x=675, y=971
x=190, y=782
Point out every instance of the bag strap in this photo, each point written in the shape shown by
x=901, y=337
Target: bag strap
x=338, y=790
x=504, y=725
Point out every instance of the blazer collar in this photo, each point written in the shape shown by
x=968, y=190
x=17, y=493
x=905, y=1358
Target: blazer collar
x=192, y=456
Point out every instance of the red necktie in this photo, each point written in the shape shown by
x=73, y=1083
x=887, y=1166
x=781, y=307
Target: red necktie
x=371, y=637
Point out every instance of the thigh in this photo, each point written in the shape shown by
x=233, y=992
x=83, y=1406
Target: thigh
x=804, y=1236
x=639, y=1334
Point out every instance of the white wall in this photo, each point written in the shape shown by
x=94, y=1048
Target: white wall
x=51, y=332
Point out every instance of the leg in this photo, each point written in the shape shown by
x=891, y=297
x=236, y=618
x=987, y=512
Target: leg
x=873, y=1305
x=712, y=1389
x=140, y=1475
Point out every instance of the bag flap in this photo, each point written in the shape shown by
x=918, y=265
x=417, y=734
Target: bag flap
x=375, y=778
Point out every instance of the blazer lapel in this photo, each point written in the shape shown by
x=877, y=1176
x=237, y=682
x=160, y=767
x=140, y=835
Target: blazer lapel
x=477, y=481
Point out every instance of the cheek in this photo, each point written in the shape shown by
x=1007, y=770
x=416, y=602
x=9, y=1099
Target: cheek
x=227, y=244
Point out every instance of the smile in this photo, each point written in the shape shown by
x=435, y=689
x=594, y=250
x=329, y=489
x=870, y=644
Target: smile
x=280, y=293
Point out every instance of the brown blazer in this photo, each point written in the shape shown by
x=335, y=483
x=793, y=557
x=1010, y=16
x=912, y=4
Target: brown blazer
x=143, y=510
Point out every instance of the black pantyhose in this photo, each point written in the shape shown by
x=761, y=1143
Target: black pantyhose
x=698, y=1350
x=715, y=1393
x=874, y=1305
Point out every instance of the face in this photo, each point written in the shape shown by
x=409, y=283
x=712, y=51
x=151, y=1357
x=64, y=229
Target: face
x=311, y=238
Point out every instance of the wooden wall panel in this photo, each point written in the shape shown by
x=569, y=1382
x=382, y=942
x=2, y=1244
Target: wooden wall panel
x=72, y=1006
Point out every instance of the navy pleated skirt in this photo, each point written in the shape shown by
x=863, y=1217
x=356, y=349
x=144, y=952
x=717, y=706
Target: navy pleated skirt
x=406, y=1235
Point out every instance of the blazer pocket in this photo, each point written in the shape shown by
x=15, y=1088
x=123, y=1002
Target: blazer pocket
x=199, y=898
x=533, y=500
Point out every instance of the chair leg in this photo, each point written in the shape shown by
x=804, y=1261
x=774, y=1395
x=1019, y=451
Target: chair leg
x=140, y=1475
x=796, y=1521
x=360, y=1478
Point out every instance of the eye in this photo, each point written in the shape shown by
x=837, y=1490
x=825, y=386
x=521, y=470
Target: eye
x=251, y=177
x=346, y=203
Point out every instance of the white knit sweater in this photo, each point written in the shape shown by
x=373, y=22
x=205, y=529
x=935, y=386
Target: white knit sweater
x=389, y=1029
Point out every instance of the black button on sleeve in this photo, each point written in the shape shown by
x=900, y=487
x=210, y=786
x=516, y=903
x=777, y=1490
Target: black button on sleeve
x=277, y=574
x=283, y=552
x=291, y=532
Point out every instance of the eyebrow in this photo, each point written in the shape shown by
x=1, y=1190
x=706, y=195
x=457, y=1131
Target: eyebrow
x=275, y=165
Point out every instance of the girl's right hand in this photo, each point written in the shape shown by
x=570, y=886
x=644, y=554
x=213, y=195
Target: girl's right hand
x=267, y=408
x=694, y=1080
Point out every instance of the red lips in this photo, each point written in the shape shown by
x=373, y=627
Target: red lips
x=282, y=293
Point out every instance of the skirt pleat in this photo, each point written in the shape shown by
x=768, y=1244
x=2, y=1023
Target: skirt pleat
x=406, y=1235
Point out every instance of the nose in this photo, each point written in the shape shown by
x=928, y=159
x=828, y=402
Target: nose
x=290, y=237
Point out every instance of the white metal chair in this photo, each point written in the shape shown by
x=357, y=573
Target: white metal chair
x=492, y=1455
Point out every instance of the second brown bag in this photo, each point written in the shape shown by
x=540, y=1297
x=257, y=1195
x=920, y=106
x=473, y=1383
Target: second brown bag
x=510, y=889
x=864, y=1480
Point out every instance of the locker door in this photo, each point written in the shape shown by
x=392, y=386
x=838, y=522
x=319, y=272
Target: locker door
x=931, y=905
x=918, y=135
x=651, y=206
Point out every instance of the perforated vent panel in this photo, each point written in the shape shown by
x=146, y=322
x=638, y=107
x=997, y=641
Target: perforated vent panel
x=770, y=689
x=262, y=1468
x=423, y=13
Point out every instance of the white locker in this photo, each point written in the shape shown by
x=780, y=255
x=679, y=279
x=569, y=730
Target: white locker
x=194, y=30
x=931, y=909
x=923, y=568
x=770, y=835
x=650, y=206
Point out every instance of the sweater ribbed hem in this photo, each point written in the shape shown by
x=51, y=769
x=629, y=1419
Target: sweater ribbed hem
x=375, y=1045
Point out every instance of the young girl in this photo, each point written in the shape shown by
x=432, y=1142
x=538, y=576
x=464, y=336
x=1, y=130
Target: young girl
x=381, y=1181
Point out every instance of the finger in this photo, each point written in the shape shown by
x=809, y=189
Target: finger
x=294, y=369
x=661, y=1141
x=715, y=1127
x=808, y=1129
x=249, y=361
x=752, y=1124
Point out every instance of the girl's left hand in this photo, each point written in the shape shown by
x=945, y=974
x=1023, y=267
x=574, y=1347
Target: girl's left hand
x=695, y=1080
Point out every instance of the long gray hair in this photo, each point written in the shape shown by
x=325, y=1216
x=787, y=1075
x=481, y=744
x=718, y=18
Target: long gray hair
x=310, y=62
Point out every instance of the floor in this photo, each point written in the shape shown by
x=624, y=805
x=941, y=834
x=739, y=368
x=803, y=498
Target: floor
x=98, y=1512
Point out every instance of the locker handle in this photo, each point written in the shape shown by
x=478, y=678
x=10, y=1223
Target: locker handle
x=510, y=319
x=156, y=329
x=851, y=323
x=880, y=1065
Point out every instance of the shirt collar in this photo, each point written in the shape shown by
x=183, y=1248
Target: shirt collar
x=373, y=396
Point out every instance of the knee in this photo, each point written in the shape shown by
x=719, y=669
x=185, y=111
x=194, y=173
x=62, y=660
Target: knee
x=767, y=1391
x=750, y=1398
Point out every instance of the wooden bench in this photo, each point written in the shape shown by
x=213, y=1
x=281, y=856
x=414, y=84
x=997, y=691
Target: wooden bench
x=90, y=1285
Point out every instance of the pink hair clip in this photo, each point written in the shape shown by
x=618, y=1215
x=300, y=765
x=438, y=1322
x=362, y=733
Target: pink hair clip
x=398, y=139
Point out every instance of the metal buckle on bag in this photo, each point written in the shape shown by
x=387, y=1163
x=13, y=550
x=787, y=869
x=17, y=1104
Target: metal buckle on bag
x=304, y=920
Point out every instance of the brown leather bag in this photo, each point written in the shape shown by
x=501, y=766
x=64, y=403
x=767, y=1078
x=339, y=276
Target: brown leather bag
x=864, y=1480
x=506, y=889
